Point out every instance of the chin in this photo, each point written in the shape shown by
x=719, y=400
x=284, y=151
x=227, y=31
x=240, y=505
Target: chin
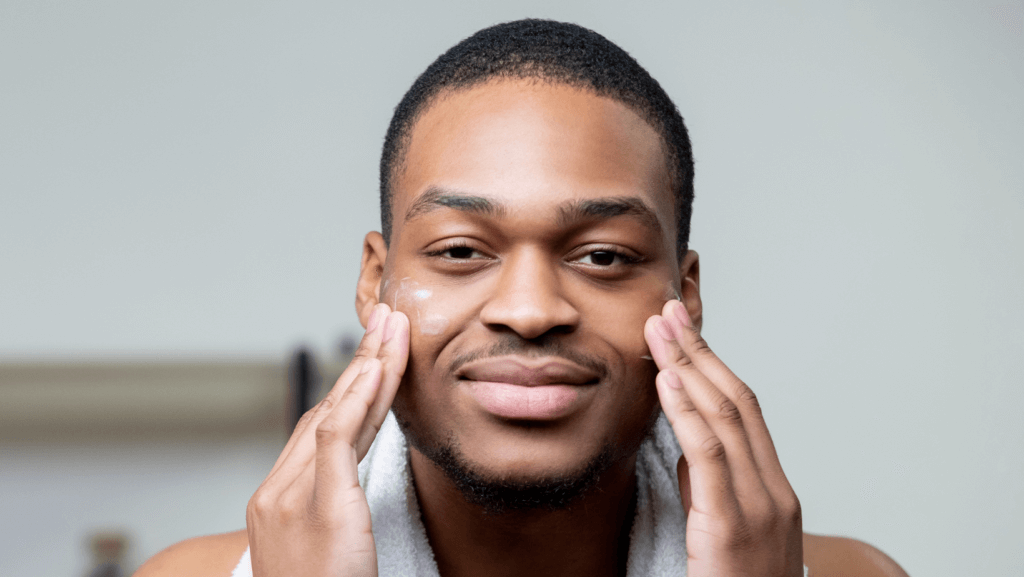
x=518, y=461
x=515, y=483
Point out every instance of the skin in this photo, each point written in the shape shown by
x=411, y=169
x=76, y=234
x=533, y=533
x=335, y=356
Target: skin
x=485, y=229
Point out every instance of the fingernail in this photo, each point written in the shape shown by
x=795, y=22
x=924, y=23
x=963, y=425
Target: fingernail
x=374, y=319
x=389, y=328
x=661, y=325
x=672, y=380
x=366, y=367
x=684, y=316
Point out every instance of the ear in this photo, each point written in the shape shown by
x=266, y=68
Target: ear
x=689, y=278
x=375, y=254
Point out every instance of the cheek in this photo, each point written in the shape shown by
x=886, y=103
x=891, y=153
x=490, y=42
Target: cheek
x=436, y=314
x=433, y=312
x=620, y=318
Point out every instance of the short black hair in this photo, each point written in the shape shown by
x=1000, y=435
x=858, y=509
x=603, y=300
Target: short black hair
x=548, y=51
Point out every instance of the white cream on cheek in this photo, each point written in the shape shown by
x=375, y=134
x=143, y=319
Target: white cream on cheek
x=417, y=302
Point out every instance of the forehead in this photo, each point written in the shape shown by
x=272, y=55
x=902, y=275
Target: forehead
x=530, y=144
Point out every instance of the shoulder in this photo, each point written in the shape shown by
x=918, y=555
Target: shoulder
x=209, y=556
x=827, y=556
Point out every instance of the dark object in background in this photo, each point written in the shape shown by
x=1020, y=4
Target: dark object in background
x=106, y=570
x=303, y=382
x=347, y=345
x=108, y=551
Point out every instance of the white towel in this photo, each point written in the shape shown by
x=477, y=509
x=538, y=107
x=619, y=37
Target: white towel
x=657, y=544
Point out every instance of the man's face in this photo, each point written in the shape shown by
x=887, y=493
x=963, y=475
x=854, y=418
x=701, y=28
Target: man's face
x=533, y=234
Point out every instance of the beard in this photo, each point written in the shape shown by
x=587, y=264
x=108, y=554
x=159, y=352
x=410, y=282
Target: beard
x=498, y=495
x=502, y=495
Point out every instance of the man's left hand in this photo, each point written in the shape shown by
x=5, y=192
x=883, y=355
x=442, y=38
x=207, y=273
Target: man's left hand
x=743, y=518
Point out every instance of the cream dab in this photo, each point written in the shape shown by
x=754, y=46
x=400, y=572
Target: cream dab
x=414, y=300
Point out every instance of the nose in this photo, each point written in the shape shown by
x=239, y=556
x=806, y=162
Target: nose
x=528, y=298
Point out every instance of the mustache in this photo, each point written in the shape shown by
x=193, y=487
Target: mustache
x=509, y=344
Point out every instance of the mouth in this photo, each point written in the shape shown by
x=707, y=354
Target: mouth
x=526, y=388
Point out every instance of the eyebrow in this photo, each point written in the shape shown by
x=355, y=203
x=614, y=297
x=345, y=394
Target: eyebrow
x=436, y=197
x=608, y=207
x=569, y=213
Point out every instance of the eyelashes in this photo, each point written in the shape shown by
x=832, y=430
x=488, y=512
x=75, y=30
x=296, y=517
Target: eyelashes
x=456, y=251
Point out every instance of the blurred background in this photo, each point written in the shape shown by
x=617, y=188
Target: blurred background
x=184, y=188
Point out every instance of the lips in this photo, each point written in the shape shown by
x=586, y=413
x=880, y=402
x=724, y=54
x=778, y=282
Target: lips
x=527, y=372
x=528, y=388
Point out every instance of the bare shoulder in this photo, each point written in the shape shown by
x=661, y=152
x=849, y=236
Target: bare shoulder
x=827, y=556
x=209, y=556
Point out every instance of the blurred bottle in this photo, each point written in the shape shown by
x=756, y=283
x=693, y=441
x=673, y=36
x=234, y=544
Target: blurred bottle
x=304, y=382
x=108, y=550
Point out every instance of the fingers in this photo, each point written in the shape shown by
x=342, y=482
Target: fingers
x=394, y=356
x=312, y=495
x=728, y=408
x=741, y=506
x=707, y=482
x=717, y=410
x=301, y=447
x=369, y=348
x=289, y=523
x=738, y=393
x=336, y=435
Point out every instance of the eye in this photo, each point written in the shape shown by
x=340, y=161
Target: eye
x=606, y=258
x=457, y=252
x=458, y=256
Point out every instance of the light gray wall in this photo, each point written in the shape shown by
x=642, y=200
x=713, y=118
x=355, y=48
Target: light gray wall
x=194, y=178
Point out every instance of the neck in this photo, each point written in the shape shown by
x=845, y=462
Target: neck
x=589, y=538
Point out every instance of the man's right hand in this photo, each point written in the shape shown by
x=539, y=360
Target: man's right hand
x=310, y=516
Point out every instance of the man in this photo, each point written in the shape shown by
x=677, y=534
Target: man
x=532, y=309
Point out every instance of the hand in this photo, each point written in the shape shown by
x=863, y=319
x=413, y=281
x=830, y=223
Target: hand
x=310, y=516
x=743, y=518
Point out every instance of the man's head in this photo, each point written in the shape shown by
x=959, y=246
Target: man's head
x=532, y=196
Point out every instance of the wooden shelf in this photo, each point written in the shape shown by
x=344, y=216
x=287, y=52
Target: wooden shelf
x=42, y=401
x=69, y=399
